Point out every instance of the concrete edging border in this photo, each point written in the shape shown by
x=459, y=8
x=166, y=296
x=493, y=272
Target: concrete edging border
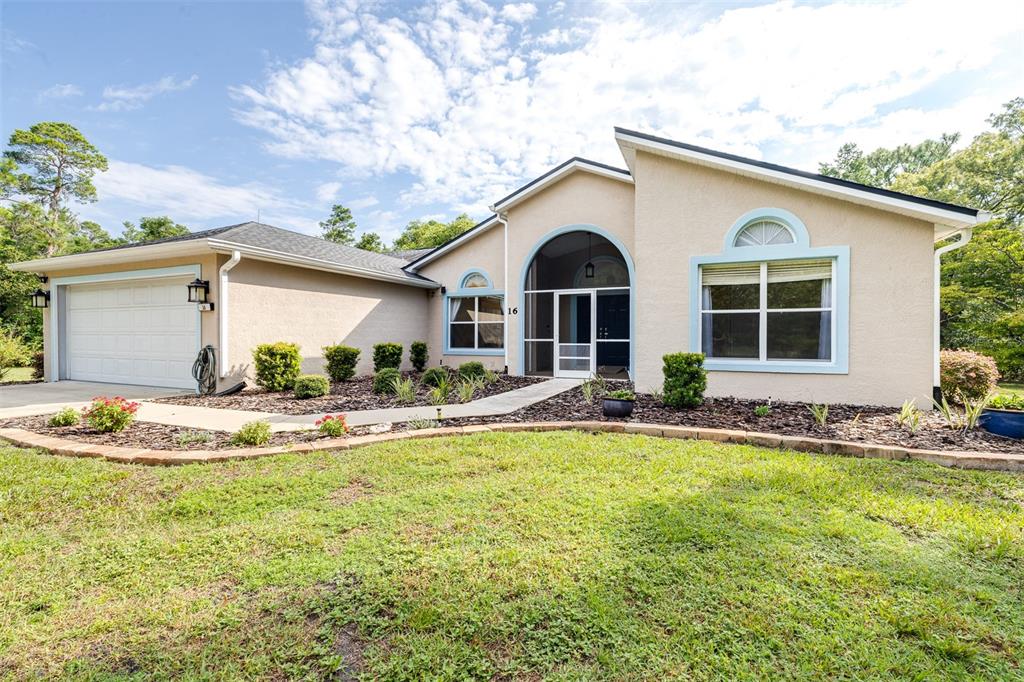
x=990, y=461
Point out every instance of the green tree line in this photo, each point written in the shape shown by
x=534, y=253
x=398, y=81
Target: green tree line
x=982, y=283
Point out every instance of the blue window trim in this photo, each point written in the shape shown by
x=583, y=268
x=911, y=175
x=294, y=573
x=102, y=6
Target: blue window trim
x=579, y=227
x=800, y=250
x=471, y=292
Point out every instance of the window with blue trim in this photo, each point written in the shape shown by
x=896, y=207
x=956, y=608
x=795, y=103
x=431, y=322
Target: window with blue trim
x=475, y=323
x=770, y=302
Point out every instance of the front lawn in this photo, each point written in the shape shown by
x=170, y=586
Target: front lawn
x=551, y=555
x=18, y=374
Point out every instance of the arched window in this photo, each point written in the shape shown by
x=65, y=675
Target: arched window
x=765, y=232
x=475, y=280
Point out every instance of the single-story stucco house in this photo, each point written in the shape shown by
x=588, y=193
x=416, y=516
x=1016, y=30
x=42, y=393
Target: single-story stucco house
x=795, y=285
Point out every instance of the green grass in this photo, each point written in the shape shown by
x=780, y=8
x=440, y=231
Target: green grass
x=18, y=374
x=560, y=556
x=1012, y=388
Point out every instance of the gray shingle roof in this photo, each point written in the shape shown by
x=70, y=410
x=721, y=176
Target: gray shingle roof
x=263, y=236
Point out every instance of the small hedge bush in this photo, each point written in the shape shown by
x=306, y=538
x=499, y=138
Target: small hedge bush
x=434, y=376
x=311, y=386
x=277, y=365
x=387, y=355
x=66, y=417
x=966, y=373
x=253, y=433
x=38, y=364
x=418, y=355
x=13, y=352
x=109, y=415
x=685, y=379
x=341, y=362
x=384, y=380
x=472, y=370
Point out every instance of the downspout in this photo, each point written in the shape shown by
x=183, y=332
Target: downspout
x=965, y=236
x=503, y=219
x=223, y=317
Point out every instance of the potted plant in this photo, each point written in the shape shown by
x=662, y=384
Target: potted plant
x=1004, y=416
x=618, y=404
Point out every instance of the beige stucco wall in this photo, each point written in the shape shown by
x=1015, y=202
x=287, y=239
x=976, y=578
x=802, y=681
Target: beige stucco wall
x=208, y=268
x=484, y=252
x=580, y=199
x=271, y=302
x=684, y=209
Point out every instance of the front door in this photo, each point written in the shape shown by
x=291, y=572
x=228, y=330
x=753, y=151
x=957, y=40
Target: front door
x=574, y=333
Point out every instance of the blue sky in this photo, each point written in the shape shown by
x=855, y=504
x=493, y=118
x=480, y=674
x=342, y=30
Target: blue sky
x=210, y=112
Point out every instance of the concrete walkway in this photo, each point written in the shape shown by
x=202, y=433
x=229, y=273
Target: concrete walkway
x=24, y=400
x=232, y=420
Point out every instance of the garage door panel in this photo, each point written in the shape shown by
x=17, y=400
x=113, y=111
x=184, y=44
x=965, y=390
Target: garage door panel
x=138, y=332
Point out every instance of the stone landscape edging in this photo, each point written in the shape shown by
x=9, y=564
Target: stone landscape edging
x=991, y=461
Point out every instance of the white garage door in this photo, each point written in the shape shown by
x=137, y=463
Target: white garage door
x=132, y=332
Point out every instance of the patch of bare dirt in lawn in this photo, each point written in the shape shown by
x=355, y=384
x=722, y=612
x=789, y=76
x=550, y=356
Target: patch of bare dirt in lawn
x=356, y=490
x=345, y=396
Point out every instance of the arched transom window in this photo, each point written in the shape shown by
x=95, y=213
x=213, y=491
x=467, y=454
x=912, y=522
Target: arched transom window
x=475, y=280
x=764, y=233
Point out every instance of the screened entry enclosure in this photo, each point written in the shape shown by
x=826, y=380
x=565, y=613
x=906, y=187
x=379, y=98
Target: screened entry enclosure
x=577, y=301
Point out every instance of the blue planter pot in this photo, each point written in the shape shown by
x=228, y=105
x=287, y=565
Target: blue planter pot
x=612, y=407
x=1009, y=423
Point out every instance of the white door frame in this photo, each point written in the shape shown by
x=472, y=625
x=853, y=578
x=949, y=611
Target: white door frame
x=575, y=374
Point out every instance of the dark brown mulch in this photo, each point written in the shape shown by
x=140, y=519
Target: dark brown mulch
x=857, y=423
x=346, y=396
x=156, y=436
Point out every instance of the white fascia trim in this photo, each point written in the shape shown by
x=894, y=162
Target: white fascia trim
x=576, y=165
x=928, y=213
x=113, y=257
x=259, y=253
x=454, y=244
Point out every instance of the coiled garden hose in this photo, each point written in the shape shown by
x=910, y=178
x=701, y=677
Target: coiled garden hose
x=204, y=370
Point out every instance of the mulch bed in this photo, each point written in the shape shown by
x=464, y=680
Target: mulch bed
x=856, y=423
x=347, y=396
x=157, y=436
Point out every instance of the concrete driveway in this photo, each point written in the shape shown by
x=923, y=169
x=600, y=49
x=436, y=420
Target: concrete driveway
x=23, y=400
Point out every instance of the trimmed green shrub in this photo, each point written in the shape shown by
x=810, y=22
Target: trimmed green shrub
x=67, y=417
x=966, y=373
x=384, y=380
x=311, y=386
x=685, y=379
x=277, y=365
x=472, y=370
x=387, y=355
x=253, y=433
x=341, y=362
x=418, y=355
x=434, y=376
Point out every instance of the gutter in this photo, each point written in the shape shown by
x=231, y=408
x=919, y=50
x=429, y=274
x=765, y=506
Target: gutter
x=965, y=237
x=222, y=290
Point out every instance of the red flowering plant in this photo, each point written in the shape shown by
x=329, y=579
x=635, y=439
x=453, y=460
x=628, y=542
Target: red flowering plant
x=110, y=414
x=332, y=425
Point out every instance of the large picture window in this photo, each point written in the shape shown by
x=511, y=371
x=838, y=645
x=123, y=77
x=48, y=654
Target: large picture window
x=768, y=311
x=475, y=323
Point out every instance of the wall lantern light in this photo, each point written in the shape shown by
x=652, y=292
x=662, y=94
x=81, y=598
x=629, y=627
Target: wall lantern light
x=43, y=278
x=40, y=298
x=199, y=291
x=588, y=271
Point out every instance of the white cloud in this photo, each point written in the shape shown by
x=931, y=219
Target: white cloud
x=519, y=12
x=328, y=191
x=421, y=94
x=60, y=91
x=124, y=98
x=188, y=195
x=363, y=202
